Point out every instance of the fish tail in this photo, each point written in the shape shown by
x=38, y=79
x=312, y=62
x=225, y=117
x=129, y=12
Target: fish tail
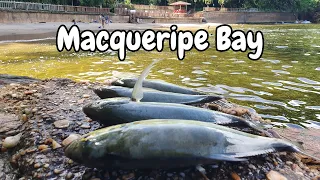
x=283, y=145
x=137, y=93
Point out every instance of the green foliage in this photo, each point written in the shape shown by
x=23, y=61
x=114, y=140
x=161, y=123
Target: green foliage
x=92, y=2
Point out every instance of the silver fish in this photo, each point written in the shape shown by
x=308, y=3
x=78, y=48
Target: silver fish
x=150, y=95
x=158, y=85
x=169, y=143
x=119, y=110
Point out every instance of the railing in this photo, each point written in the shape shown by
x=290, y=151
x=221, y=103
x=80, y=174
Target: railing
x=152, y=7
x=230, y=9
x=28, y=6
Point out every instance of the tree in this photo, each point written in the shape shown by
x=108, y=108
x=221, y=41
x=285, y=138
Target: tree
x=221, y=3
x=207, y=2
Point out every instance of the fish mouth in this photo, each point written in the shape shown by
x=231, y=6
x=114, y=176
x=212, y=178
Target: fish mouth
x=117, y=82
x=105, y=93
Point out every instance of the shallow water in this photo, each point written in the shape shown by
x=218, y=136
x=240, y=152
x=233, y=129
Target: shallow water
x=283, y=86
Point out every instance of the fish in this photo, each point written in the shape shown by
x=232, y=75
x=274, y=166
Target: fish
x=158, y=85
x=150, y=95
x=169, y=143
x=119, y=110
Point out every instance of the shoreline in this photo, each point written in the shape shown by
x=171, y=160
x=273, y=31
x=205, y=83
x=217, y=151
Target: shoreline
x=33, y=31
x=38, y=104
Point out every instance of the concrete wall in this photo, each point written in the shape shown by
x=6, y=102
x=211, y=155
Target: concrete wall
x=35, y=17
x=213, y=17
x=184, y=20
x=248, y=17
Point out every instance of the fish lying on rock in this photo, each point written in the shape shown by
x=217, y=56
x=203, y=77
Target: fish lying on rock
x=150, y=95
x=158, y=85
x=120, y=110
x=169, y=143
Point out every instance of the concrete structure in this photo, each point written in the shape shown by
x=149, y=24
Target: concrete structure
x=248, y=17
x=36, y=17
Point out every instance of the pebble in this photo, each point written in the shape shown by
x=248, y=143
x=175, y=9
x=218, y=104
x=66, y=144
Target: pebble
x=55, y=145
x=69, y=175
x=22, y=153
x=62, y=123
x=86, y=96
x=24, y=117
x=299, y=173
x=42, y=147
x=289, y=163
x=57, y=171
x=128, y=177
x=251, y=166
x=30, y=92
x=37, y=165
x=46, y=165
x=316, y=178
x=85, y=126
x=11, y=141
x=274, y=175
x=182, y=174
x=235, y=176
x=70, y=138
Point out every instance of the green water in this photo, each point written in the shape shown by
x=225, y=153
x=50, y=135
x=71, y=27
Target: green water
x=283, y=86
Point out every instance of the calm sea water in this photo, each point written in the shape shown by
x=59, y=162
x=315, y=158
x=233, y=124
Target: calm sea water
x=283, y=86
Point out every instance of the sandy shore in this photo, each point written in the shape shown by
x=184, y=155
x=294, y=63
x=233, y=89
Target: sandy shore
x=27, y=31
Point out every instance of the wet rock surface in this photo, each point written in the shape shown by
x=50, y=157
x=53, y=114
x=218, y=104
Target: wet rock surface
x=39, y=156
x=8, y=79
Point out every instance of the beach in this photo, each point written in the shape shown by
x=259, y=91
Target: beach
x=29, y=31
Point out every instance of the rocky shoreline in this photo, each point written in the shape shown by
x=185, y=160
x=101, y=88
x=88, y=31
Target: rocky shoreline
x=47, y=112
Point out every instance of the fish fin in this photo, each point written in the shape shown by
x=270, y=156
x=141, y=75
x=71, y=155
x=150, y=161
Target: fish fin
x=137, y=93
x=225, y=157
x=253, y=153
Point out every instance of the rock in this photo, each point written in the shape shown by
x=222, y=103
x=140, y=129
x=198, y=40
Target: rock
x=55, y=144
x=42, y=147
x=128, y=177
x=37, y=165
x=10, y=125
x=69, y=175
x=86, y=96
x=289, y=163
x=85, y=126
x=11, y=141
x=57, y=171
x=274, y=175
x=235, y=176
x=70, y=138
x=62, y=123
x=251, y=166
x=316, y=178
x=30, y=92
x=24, y=118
